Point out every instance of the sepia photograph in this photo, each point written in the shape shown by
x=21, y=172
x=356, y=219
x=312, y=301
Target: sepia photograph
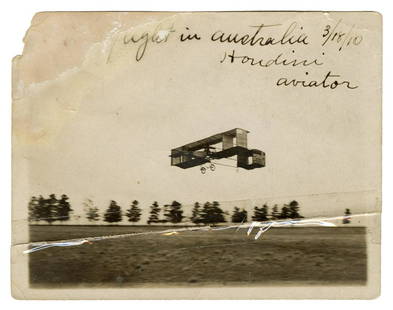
x=197, y=155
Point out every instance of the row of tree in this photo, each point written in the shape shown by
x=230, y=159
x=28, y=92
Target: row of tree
x=49, y=209
x=52, y=209
x=288, y=211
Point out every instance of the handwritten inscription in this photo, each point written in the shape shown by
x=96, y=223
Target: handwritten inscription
x=291, y=36
x=189, y=36
x=279, y=60
x=343, y=38
x=327, y=82
x=262, y=35
x=159, y=35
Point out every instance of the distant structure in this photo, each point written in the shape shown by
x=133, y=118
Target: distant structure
x=219, y=146
x=347, y=217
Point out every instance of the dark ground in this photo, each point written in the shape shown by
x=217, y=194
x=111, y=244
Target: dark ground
x=293, y=255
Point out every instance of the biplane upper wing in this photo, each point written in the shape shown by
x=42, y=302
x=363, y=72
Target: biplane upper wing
x=233, y=143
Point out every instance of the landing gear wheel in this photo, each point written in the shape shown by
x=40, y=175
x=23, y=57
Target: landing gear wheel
x=203, y=170
x=212, y=167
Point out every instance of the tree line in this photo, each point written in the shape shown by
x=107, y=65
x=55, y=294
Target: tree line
x=49, y=209
x=59, y=209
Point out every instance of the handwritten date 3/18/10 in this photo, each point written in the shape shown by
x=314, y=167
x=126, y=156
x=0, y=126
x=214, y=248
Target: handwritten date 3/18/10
x=341, y=37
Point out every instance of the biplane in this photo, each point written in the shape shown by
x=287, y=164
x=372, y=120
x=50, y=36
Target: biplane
x=230, y=145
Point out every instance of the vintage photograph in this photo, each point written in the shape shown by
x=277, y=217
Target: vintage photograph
x=168, y=154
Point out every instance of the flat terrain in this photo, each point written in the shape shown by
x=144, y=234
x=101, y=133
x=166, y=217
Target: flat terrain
x=298, y=255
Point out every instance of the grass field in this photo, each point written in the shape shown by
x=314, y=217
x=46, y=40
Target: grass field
x=298, y=255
